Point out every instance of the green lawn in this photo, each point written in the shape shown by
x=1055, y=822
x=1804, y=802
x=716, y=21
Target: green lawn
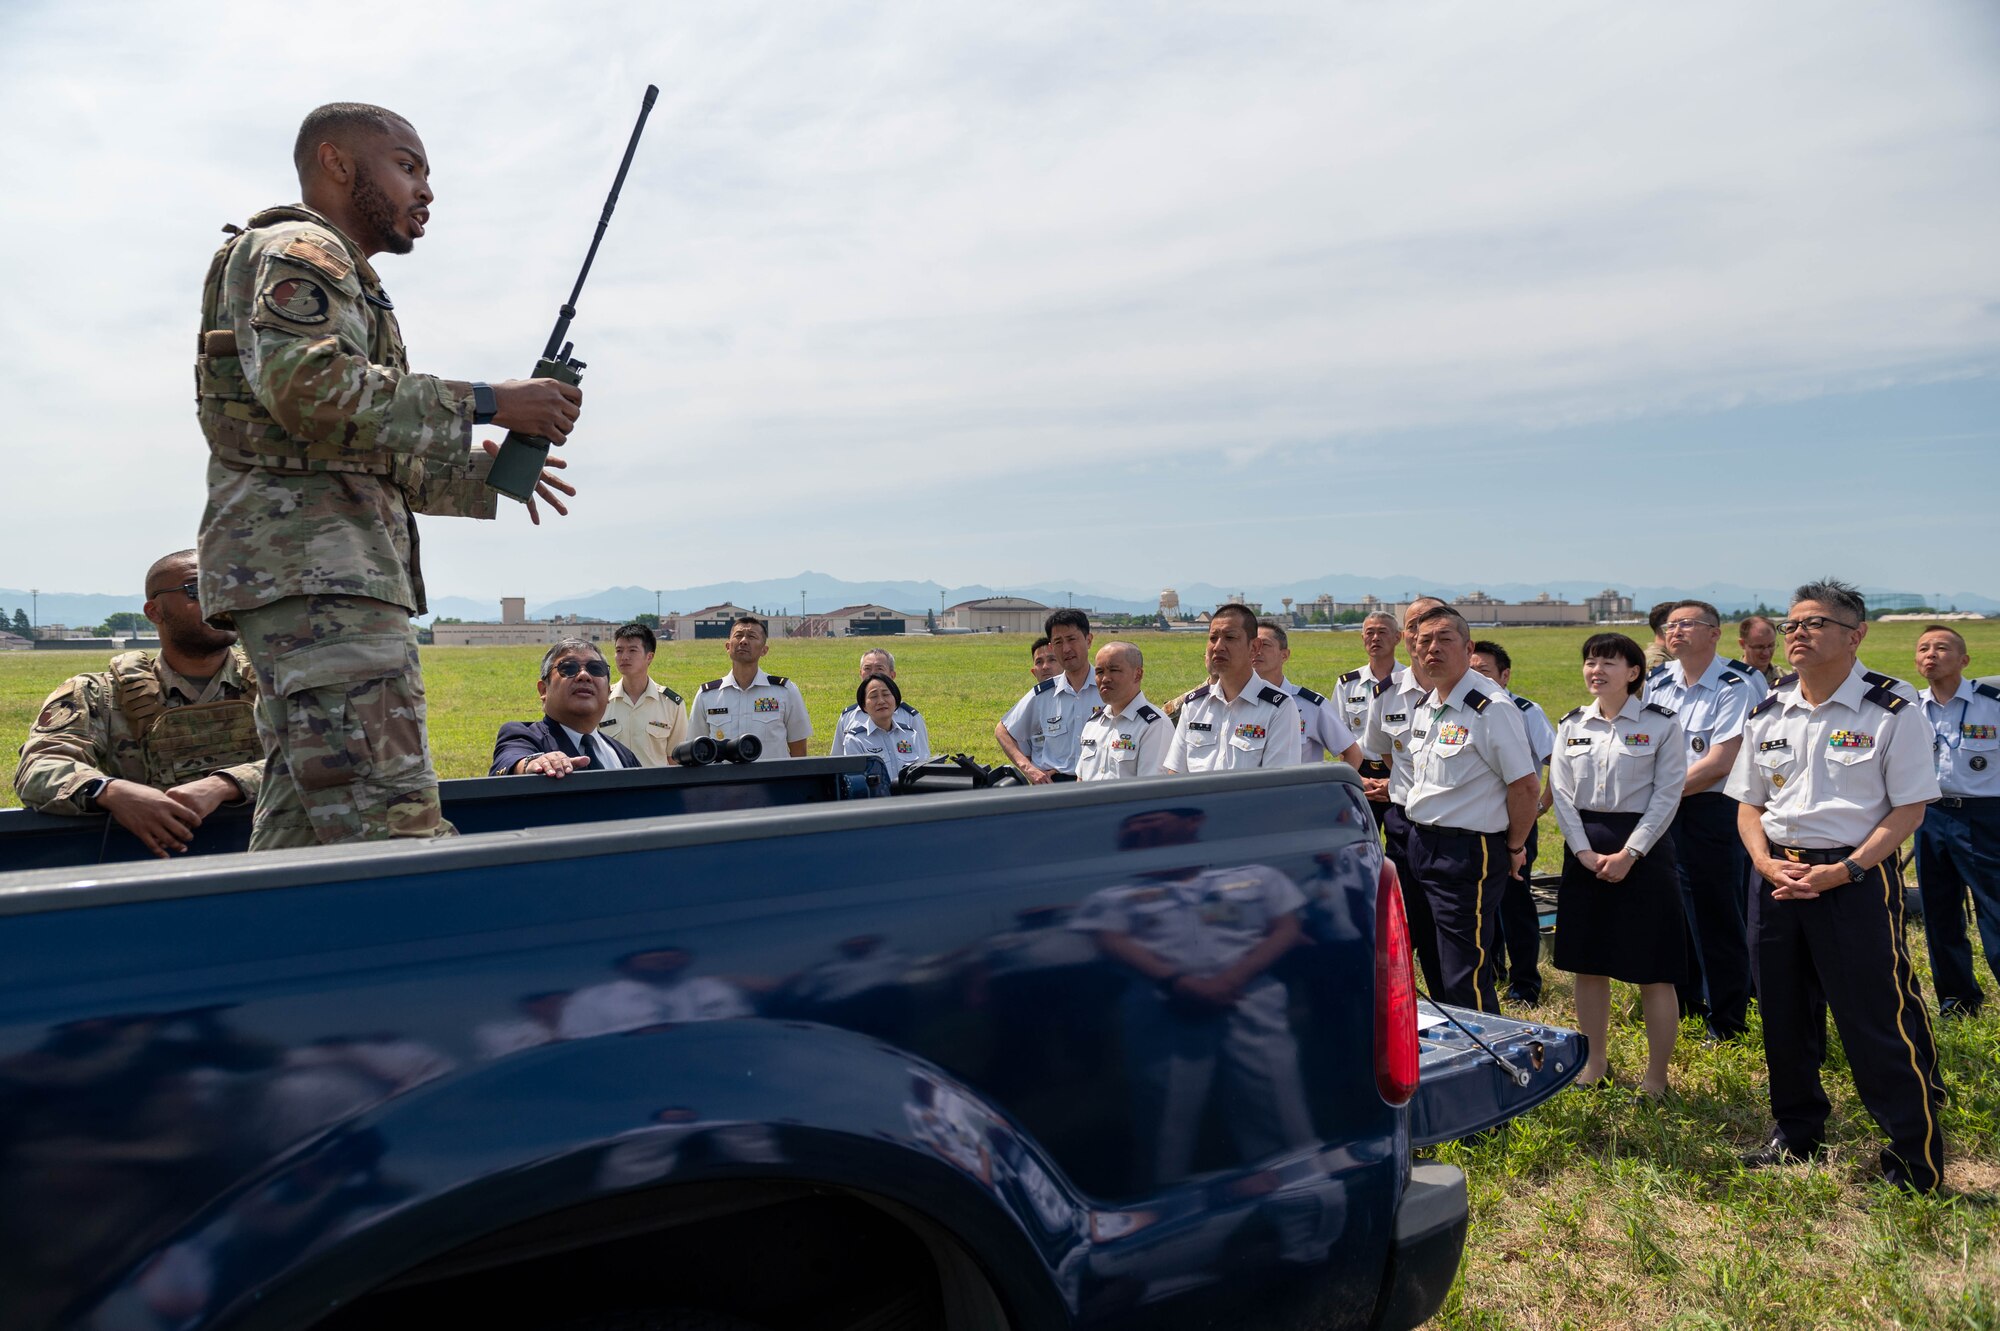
x=1594, y=1211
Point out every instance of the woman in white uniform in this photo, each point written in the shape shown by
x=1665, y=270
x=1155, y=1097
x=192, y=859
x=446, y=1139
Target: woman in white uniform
x=879, y=729
x=1616, y=776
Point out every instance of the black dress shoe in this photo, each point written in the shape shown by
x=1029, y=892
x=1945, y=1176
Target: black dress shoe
x=1777, y=1151
x=1524, y=997
x=1958, y=1007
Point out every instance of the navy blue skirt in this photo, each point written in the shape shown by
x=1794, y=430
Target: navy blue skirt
x=1630, y=931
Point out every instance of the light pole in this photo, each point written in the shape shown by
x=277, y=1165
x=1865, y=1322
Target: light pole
x=34, y=612
x=656, y=607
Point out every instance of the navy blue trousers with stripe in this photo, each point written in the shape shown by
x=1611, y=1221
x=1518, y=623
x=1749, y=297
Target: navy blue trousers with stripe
x=1462, y=878
x=1844, y=950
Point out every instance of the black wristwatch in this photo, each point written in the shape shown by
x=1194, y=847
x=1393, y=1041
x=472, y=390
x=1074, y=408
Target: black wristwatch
x=484, y=404
x=87, y=793
x=1855, y=873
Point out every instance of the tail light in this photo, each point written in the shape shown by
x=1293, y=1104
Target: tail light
x=1396, y=1050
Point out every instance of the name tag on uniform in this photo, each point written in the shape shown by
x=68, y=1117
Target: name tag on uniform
x=661, y=725
x=718, y=711
x=1771, y=744
x=1089, y=742
x=1200, y=725
x=1395, y=718
x=1577, y=743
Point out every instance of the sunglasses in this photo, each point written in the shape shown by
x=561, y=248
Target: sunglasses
x=596, y=669
x=187, y=589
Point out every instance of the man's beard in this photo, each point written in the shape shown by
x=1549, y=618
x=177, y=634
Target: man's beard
x=197, y=639
x=377, y=214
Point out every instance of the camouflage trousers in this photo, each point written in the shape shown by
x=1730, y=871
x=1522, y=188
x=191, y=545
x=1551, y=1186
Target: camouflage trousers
x=341, y=714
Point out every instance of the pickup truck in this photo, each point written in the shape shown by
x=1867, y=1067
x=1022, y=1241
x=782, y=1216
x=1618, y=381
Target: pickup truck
x=768, y=1045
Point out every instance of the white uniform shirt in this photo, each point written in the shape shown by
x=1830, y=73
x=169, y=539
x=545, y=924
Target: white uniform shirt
x=1465, y=749
x=1130, y=743
x=771, y=708
x=897, y=746
x=1966, y=740
x=905, y=713
x=653, y=727
x=1355, y=696
x=1711, y=710
x=1634, y=763
x=1827, y=776
x=1259, y=728
x=1048, y=721
x=1390, y=717
x=1321, y=730
x=603, y=758
x=1535, y=722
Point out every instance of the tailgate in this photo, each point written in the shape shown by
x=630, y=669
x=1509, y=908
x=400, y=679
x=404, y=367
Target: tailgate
x=1462, y=1089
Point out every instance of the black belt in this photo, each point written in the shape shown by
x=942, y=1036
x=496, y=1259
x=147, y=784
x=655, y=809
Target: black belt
x=1802, y=855
x=1969, y=801
x=1374, y=767
x=1461, y=832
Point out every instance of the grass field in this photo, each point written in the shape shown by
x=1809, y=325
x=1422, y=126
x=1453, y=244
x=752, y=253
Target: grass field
x=1595, y=1211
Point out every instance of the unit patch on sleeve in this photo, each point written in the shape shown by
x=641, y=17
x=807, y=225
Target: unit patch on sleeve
x=296, y=300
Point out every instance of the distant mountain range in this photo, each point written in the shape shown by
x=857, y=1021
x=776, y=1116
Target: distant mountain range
x=823, y=593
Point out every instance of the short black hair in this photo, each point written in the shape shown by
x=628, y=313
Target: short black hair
x=1833, y=592
x=1237, y=610
x=339, y=121
x=1066, y=618
x=763, y=625
x=1618, y=647
x=1037, y=646
x=861, y=693
x=1487, y=647
x=1277, y=631
x=1713, y=616
x=1657, y=616
x=637, y=630
x=1943, y=628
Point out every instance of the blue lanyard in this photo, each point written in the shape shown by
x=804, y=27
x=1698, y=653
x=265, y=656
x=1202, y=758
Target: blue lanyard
x=1952, y=736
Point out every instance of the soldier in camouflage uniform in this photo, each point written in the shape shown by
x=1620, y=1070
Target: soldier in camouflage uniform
x=322, y=447
x=158, y=742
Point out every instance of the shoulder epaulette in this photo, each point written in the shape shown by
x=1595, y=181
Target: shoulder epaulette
x=1882, y=681
x=1659, y=669
x=1524, y=704
x=1887, y=699
x=1316, y=699
x=1730, y=677
x=669, y=694
x=1045, y=685
x=1785, y=680
x=1740, y=667
x=1382, y=685
x=1478, y=701
x=777, y=680
x=851, y=707
x=1199, y=691
x=1572, y=714
x=1350, y=676
x=712, y=684
x=905, y=707
x=1148, y=715
x=1655, y=707
x=1275, y=697
x=1986, y=691
x=1770, y=701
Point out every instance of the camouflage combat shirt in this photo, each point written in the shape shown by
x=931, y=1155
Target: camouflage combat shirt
x=322, y=444
x=84, y=733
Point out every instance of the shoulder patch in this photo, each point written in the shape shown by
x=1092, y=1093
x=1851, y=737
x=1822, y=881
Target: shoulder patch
x=1045, y=685
x=1524, y=704
x=1655, y=707
x=1148, y=715
x=1316, y=699
x=1770, y=701
x=1887, y=699
x=1986, y=691
x=63, y=706
x=296, y=300
x=711, y=684
x=1478, y=701
x=1574, y=712
x=1351, y=676
x=779, y=680
x=669, y=694
x=1273, y=696
x=314, y=253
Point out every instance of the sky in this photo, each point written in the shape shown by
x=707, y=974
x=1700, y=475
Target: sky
x=1135, y=294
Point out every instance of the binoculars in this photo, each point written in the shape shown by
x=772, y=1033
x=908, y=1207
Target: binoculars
x=701, y=750
x=957, y=771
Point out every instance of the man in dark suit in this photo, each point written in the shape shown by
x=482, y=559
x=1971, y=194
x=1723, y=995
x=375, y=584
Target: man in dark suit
x=575, y=688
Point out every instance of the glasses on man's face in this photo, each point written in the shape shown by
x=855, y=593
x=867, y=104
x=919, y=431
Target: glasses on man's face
x=1811, y=624
x=191, y=590
x=1689, y=625
x=595, y=669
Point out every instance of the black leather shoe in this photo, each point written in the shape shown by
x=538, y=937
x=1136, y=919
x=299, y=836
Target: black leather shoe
x=1777, y=1151
x=1958, y=1007
x=1524, y=998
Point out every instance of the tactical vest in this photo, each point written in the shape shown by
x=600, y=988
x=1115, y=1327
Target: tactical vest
x=239, y=429
x=180, y=744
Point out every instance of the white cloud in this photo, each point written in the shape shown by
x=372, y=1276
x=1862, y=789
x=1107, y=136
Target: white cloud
x=925, y=256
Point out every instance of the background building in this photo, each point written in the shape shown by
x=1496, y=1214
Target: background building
x=1608, y=605
x=713, y=622
x=866, y=621
x=515, y=629
x=996, y=614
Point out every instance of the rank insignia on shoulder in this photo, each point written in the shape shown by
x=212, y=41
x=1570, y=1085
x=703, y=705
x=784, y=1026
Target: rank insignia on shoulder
x=1785, y=681
x=1655, y=707
x=1887, y=701
x=1316, y=699
x=1045, y=685
x=669, y=694
x=1770, y=701
x=1382, y=686
x=1572, y=714
x=1523, y=704
x=777, y=681
x=1148, y=715
x=1986, y=690
x=1731, y=677
x=309, y=251
x=296, y=300
x=905, y=707
x=711, y=684
x=1478, y=701
x=1350, y=676
x=1880, y=680
x=1198, y=691
x=1275, y=697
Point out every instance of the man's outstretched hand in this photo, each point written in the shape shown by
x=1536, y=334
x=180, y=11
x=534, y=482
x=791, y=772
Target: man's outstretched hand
x=546, y=487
